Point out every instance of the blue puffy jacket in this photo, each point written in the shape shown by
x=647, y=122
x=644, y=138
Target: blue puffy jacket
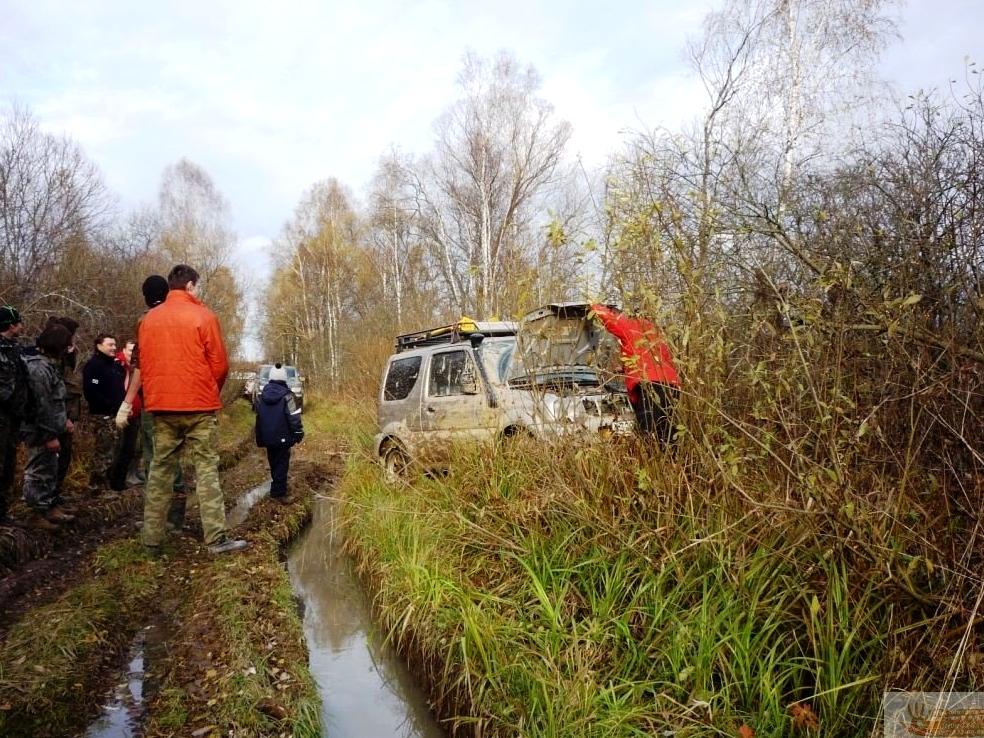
x=278, y=419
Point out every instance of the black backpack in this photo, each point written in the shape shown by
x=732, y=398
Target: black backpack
x=22, y=404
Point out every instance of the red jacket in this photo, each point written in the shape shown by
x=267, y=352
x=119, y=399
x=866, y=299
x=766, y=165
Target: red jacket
x=645, y=355
x=183, y=362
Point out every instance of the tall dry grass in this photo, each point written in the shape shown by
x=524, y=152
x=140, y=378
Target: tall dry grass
x=810, y=542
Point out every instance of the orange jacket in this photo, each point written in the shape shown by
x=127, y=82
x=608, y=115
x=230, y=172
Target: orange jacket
x=183, y=362
x=645, y=355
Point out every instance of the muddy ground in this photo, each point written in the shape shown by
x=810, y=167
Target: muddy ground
x=224, y=649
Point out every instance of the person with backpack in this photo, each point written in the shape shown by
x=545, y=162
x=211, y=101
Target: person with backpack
x=15, y=400
x=42, y=429
x=278, y=428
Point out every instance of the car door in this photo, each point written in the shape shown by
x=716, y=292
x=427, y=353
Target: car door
x=454, y=404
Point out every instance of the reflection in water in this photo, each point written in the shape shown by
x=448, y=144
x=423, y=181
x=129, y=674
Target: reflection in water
x=244, y=504
x=366, y=690
x=122, y=716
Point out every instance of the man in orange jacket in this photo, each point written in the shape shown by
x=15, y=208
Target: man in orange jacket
x=183, y=365
x=650, y=377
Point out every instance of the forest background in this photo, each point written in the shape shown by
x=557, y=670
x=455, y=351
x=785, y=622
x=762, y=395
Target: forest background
x=809, y=217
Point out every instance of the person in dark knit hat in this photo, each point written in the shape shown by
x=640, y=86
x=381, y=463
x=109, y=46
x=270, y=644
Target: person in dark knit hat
x=41, y=431
x=73, y=398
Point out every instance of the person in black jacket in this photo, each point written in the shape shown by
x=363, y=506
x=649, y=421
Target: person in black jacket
x=278, y=428
x=103, y=385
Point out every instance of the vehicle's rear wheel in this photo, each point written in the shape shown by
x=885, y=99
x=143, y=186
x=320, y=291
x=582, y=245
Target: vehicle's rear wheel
x=396, y=464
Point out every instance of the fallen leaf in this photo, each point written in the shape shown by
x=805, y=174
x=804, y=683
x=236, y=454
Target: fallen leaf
x=273, y=709
x=803, y=716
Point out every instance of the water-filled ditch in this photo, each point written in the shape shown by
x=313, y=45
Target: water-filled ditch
x=366, y=689
x=122, y=714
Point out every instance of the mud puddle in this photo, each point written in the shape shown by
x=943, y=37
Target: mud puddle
x=245, y=503
x=123, y=713
x=366, y=689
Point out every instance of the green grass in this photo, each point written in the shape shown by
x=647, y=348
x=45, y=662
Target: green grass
x=330, y=418
x=584, y=592
x=51, y=659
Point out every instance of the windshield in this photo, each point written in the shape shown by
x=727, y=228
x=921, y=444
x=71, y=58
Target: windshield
x=497, y=356
x=264, y=373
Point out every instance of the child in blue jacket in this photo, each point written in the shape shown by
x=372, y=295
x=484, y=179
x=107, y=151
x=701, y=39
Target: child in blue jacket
x=278, y=427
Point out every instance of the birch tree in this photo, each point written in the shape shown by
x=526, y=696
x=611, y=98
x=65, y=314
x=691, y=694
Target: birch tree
x=393, y=232
x=193, y=228
x=308, y=295
x=51, y=196
x=498, y=148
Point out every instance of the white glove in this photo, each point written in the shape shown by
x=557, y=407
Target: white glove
x=123, y=415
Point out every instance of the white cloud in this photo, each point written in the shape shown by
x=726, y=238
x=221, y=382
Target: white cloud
x=271, y=98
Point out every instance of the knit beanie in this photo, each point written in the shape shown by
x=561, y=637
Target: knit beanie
x=278, y=373
x=8, y=317
x=155, y=289
x=53, y=340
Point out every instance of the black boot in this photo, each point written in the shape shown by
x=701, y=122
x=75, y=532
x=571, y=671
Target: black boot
x=176, y=513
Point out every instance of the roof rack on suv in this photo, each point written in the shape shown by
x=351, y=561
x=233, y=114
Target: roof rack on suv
x=453, y=333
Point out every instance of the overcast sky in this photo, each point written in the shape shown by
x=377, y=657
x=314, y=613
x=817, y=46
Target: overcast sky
x=270, y=97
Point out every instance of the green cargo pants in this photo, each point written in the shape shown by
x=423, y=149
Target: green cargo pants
x=104, y=452
x=172, y=432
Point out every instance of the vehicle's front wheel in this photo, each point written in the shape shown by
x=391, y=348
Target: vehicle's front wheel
x=396, y=464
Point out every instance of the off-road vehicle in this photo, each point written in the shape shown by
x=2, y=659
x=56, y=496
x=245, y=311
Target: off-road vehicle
x=488, y=381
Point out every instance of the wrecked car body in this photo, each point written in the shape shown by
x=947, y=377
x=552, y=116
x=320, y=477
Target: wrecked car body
x=483, y=382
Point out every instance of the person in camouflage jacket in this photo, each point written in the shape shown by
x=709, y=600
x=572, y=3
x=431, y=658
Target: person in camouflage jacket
x=73, y=396
x=40, y=432
x=15, y=400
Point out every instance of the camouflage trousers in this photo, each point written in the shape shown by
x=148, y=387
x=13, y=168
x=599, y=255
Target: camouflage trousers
x=147, y=437
x=105, y=450
x=198, y=433
x=9, y=430
x=40, y=478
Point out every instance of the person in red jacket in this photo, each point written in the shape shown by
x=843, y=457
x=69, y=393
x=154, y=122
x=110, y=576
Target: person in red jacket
x=183, y=365
x=650, y=377
x=129, y=435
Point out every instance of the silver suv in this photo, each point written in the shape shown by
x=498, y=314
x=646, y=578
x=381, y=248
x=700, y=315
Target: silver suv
x=295, y=382
x=485, y=381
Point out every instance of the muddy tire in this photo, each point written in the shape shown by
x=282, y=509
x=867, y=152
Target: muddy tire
x=396, y=464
